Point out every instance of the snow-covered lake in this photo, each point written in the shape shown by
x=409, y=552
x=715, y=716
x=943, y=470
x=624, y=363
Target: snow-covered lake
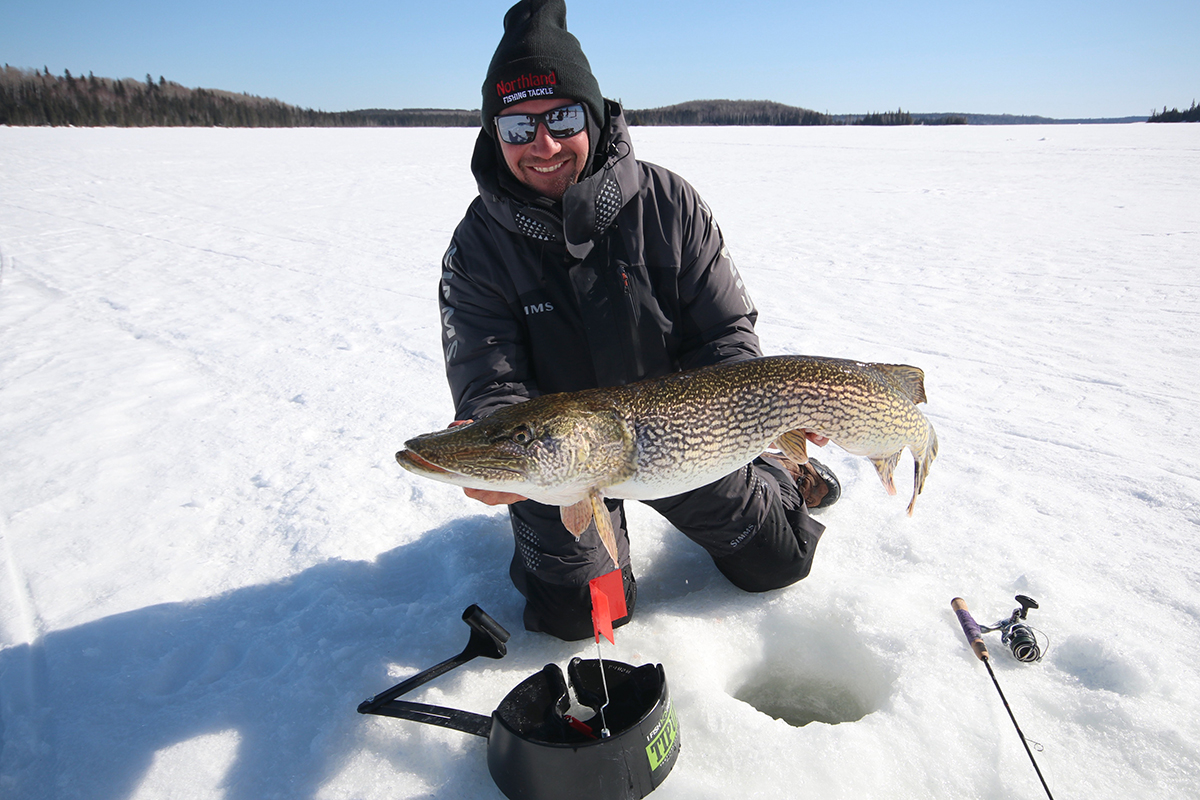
x=212, y=342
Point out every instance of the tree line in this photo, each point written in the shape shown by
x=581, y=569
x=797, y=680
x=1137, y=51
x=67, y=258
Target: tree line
x=1175, y=115
x=29, y=97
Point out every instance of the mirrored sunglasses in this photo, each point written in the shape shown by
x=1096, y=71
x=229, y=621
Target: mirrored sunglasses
x=561, y=123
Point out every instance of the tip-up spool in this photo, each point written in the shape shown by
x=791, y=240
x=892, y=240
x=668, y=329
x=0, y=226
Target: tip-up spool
x=535, y=752
x=536, y=749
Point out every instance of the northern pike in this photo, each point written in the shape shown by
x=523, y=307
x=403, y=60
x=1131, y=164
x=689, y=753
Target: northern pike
x=665, y=436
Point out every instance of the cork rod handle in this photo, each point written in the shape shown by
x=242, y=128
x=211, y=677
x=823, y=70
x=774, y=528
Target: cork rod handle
x=970, y=628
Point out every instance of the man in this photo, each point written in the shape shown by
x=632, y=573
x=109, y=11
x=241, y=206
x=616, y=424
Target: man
x=579, y=266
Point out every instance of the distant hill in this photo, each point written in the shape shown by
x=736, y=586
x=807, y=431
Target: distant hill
x=419, y=117
x=1017, y=119
x=766, y=112
x=755, y=112
x=29, y=97
x=727, y=112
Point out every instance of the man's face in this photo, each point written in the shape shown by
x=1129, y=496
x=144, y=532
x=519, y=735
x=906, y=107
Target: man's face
x=547, y=165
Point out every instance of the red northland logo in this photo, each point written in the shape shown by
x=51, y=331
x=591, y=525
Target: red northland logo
x=528, y=85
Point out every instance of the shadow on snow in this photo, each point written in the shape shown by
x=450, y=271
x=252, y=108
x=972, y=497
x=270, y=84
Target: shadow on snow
x=84, y=711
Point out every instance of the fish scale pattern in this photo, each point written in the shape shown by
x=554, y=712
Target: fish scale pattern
x=709, y=421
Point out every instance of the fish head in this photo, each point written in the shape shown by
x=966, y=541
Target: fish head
x=553, y=449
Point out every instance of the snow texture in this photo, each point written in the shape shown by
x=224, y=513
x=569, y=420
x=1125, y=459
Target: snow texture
x=212, y=342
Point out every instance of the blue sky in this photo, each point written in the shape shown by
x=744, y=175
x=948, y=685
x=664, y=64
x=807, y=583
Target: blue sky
x=1057, y=59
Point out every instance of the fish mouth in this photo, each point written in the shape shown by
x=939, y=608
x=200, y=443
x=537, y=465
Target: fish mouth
x=408, y=457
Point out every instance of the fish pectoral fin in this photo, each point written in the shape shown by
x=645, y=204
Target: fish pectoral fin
x=909, y=380
x=604, y=527
x=794, y=445
x=576, y=518
x=886, y=467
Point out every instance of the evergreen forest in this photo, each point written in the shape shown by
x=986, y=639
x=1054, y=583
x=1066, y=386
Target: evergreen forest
x=39, y=98
x=1175, y=115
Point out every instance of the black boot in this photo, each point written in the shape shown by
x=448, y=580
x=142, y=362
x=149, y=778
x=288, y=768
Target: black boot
x=815, y=482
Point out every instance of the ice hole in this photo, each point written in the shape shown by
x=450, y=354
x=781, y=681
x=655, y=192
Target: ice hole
x=818, y=674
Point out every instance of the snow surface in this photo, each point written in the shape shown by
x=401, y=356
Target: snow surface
x=213, y=341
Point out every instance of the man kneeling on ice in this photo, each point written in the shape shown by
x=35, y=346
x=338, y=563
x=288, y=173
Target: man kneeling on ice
x=579, y=266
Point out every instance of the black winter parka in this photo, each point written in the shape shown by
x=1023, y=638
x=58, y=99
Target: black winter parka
x=627, y=278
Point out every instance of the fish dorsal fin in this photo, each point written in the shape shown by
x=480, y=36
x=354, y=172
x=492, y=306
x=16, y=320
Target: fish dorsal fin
x=794, y=445
x=576, y=518
x=909, y=380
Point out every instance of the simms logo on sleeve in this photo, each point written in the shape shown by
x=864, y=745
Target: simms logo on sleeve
x=538, y=308
x=527, y=87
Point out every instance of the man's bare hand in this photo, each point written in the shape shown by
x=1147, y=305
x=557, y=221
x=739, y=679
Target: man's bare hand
x=486, y=495
x=493, y=498
x=817, y=439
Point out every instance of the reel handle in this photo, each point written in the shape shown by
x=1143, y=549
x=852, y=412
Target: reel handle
x=970, y=628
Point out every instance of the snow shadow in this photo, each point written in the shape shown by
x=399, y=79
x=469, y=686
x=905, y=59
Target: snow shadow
x=259, y=686
x=282, y=666
x=1099, y=664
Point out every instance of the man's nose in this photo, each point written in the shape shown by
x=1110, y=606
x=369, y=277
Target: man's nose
x=544, y=145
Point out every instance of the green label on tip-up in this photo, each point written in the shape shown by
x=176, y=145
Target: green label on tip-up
x=665, y=740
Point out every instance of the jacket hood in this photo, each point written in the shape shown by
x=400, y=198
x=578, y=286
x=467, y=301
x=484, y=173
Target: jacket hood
x=587, y=208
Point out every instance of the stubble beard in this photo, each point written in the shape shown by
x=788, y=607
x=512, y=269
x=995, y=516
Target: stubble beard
x=554, y=185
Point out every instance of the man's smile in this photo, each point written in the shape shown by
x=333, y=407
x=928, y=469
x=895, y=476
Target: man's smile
x=550, y=168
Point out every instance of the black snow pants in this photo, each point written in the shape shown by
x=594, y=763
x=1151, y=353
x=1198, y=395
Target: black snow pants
x=753, y=523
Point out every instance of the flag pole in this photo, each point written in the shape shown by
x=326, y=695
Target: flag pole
x=608, y=603
x=604, y=732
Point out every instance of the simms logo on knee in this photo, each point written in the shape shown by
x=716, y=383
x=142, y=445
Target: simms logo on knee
x=751, y=528
x=538, y=308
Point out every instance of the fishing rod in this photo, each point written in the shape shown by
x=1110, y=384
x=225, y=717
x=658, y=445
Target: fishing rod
x=974, y=636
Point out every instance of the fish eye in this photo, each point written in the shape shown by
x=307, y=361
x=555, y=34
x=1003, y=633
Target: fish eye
x=523, y=435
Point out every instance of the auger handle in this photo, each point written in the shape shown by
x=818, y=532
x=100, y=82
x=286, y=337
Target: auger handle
x=970, y=628
x=487, y=639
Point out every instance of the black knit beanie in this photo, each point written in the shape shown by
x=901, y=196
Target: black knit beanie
x=537, y=58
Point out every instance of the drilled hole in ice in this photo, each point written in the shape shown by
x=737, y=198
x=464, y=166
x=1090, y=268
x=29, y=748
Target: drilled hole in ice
x=818, y=674
x=798, y=700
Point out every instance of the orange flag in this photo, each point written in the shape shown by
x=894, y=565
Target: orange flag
x=608, y=603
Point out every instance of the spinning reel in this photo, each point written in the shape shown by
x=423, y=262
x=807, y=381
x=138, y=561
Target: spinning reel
x=1018, y=636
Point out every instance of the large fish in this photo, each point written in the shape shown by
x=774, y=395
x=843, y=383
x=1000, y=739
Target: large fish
x=665, y=436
